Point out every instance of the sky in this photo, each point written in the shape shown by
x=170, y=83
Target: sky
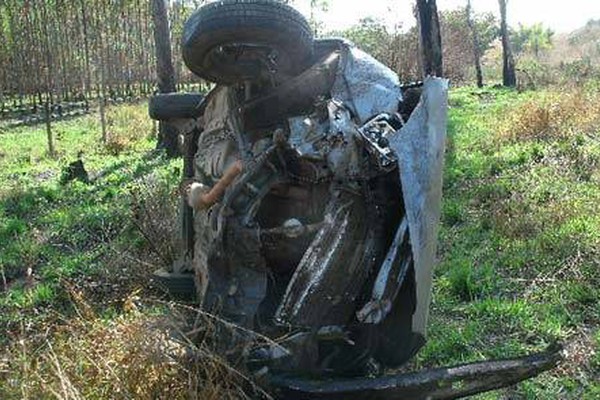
x=561, y=16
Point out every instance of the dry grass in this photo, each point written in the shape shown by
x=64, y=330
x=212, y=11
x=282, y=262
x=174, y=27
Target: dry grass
x=554, y=116
x=136, y=355
x=154, y=216
x=120, y=120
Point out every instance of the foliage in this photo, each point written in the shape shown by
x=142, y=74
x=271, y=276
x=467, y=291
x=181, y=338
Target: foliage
x=458, y=44
x=55, y=51
x=534, y=39
x=371, y=35
x=520, y=236
x=400, y=50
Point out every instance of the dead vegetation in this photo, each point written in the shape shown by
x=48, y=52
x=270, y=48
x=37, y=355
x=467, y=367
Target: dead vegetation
x=110, y=334
x=170, y=353
x=557, y=115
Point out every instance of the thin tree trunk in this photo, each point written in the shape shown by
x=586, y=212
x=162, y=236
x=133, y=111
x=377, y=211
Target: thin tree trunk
x=49, y=79
x=86, y=51
x=509, y=76
x=101, y=66
x=167, y=137
x=430, y=38
x=48, y=118
x=162, y=38
x=476, y=44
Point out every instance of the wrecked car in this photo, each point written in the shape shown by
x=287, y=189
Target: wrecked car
x=312, y=216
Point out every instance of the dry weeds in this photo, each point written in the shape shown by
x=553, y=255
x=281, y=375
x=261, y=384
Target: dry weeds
x=554, y=116
x=136, y=355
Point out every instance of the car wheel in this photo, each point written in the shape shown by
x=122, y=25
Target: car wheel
x=229, y=41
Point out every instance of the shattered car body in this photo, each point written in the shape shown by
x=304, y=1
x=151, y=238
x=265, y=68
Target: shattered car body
x=316, y=204
x=314, y=233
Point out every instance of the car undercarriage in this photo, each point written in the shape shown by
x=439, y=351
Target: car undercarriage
x=314, y=186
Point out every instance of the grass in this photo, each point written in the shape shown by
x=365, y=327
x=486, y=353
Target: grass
x=519, y=255
x=520, y=237
x=78, y=315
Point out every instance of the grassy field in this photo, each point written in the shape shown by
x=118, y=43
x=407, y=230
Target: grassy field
x=519, y=254
x=520, y=240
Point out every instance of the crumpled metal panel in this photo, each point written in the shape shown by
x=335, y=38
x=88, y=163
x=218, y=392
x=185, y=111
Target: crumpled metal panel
x=420, y=146
x=366, y=85
x=304, y=133
x=333, y=270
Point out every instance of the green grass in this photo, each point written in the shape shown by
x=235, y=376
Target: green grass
x=519, y=245
x=56, y=235
x=520, y=241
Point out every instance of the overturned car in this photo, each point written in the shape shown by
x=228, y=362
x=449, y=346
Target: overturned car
x=313, y=207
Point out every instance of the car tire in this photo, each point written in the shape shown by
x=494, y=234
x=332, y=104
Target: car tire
x=265, y=23
x=178, y=285
x=164, y=107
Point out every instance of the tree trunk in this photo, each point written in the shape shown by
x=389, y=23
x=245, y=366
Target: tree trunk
x=101, y=65
x=48, y=119
x=476, y=45
x=86, y=52
x=49, y=80
x=431, y=40
x=509, y=77
x=167, y=136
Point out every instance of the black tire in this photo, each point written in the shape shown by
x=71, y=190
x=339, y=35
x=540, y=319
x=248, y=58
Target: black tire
x=178, y=285
x=164, y=107
x=265, y=23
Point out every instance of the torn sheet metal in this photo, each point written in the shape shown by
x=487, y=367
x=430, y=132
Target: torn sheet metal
x=389, y=279
x=420, y=146
x=365, y=85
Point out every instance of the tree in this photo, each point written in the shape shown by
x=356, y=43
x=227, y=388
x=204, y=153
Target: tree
x=535, y=39
x=316, y=6
x=371, y=36
x=167, y=137
x=459, y=52
x=476, y=45
x=509, y=76
x=430, y=37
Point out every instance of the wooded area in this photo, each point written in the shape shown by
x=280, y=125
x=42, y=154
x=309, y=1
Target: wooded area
x=69, y=53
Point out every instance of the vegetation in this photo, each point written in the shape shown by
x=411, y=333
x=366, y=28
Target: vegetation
x=63, y=53
x=400, y=49
x=79, y=316
x=53, y=230
x=519, y=255
x=534, y=39
x=520, y=236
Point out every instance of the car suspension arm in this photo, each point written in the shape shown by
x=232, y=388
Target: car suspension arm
x=440, y=383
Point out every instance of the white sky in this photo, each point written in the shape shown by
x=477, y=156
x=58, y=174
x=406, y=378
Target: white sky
x=560, y=15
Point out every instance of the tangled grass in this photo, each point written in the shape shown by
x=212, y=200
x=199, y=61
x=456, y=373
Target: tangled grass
x=554, y=115
x=520, y=236
x=152, y=350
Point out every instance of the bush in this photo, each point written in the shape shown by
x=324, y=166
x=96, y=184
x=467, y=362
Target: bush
x=553, y=116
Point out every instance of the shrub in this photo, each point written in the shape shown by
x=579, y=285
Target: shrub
x=553, y=116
